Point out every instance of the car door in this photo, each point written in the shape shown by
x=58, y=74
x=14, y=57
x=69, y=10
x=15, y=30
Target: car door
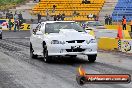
x=34, y=39
x=39, y=40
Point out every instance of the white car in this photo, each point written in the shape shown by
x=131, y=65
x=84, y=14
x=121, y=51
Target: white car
x=0, y=34
x=62, y=38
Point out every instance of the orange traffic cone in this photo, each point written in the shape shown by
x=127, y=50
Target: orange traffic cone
x=119, y=34
x=131, y=22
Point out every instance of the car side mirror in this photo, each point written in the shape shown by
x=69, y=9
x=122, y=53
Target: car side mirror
x=39, y=33
x=34, y=31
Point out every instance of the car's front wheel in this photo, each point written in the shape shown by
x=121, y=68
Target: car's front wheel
x=31, y=52
x=92, y=58
x=47, y=59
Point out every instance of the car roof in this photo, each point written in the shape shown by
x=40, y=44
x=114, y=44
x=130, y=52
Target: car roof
x=57, y=21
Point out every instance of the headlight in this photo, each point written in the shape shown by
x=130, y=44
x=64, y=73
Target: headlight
x=57, y=42
x=91, y=41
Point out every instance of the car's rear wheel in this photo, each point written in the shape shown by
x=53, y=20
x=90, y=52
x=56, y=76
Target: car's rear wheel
x=92, y=58
x=31, y=52
x=47, y=58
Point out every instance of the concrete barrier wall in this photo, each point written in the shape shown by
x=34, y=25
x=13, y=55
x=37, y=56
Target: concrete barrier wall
x=24, y=26
x=106, y=43
x=126, y=34
x=126, y=45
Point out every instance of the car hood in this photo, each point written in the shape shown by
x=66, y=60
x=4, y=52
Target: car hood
x=66, y=35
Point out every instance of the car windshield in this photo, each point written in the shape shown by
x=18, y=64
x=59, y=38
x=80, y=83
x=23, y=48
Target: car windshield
x=95, y=23
x=56, y=27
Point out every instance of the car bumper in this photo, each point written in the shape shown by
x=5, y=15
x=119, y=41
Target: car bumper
x=63, y=50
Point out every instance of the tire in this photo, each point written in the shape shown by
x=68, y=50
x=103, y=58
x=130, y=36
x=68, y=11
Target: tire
x=92, y=58
x=47, y=59
x=31, y=52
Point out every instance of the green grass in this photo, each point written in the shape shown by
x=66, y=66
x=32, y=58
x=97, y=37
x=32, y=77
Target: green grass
x=10, y=1
x=7, y=4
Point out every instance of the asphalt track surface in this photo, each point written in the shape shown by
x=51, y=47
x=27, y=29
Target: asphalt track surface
x=18, y=70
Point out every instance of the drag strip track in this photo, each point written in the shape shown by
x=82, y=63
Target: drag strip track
x=18, y=43
x=5, y=78
x=63, y=69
